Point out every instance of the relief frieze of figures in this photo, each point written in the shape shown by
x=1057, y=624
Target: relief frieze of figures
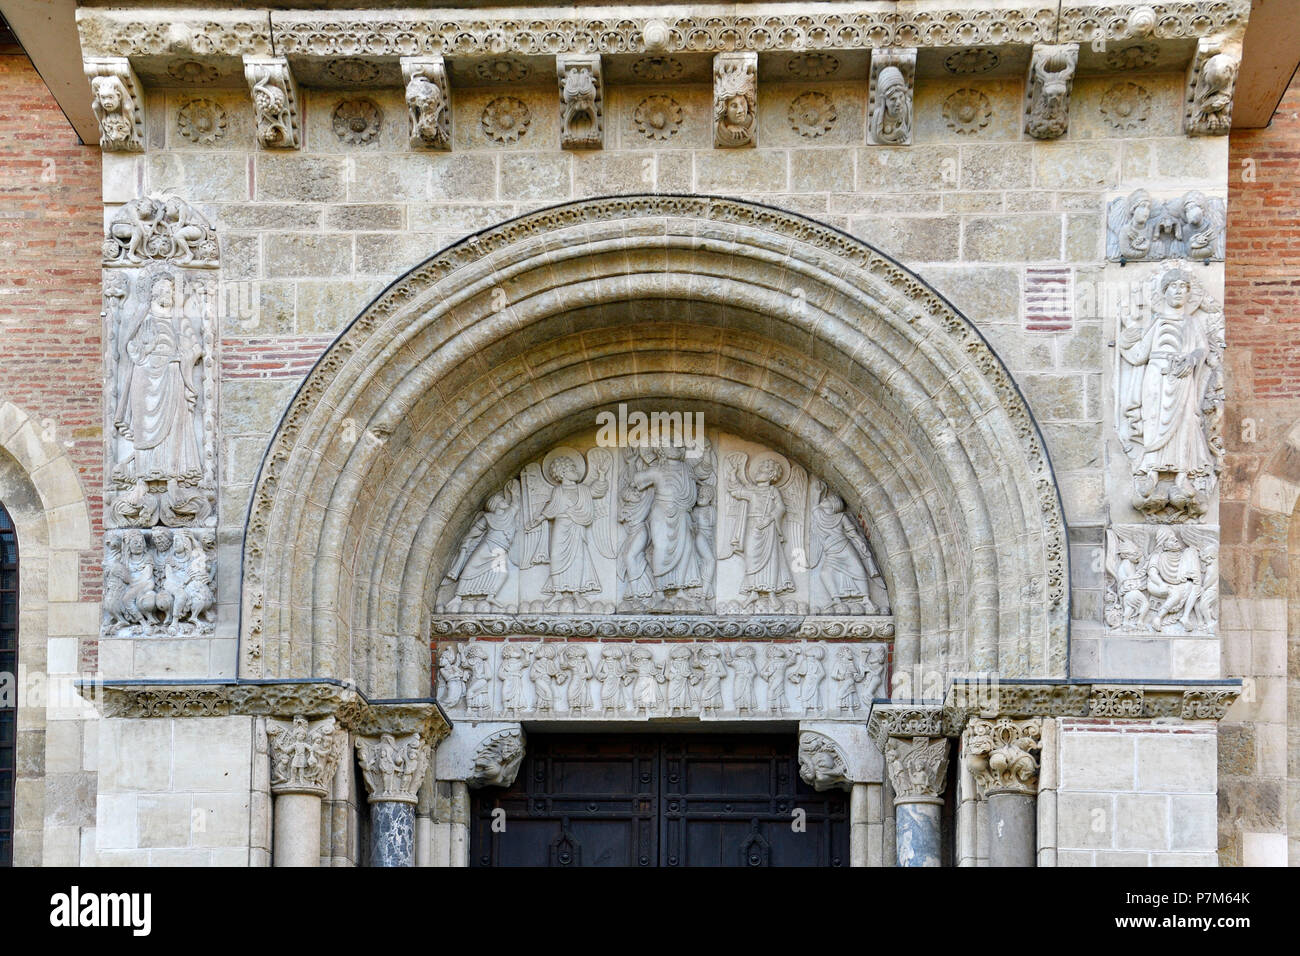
x=508, y=680
x=718, y=526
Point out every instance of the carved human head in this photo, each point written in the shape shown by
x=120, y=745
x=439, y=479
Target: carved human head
x=738, y=110
x=892, y=88
x=1175, y=286
x=611, y=651
x=1139, y=207
x=1194, y=208
x=162, y=292
x=162, y=540
x=564, y=469
x=767, y=472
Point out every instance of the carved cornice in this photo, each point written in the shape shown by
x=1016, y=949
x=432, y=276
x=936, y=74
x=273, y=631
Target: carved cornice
x=312, y=699
x=705, y=29
x=1119, y=701
x=656, y=626
x=1002, y=754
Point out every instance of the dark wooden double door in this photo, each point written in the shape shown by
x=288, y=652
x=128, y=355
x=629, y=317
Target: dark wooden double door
x=643, y=800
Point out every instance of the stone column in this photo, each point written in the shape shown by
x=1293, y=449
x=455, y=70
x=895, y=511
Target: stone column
x=1002, y=756
x=393, y=767
x=304, y=756
x=476, y=754
x=918, y=772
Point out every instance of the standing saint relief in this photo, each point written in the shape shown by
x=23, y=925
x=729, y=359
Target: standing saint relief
x=609, y=587
x=160, y=407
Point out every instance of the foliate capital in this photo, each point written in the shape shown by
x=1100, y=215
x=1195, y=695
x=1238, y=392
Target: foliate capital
x=1002, y=754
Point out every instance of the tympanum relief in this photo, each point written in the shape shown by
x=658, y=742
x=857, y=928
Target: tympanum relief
x=515, y=680
x=719, y=526
x=1169, y=401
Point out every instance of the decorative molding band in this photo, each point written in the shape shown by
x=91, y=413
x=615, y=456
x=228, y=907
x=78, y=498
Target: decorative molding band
x=912, y=720
x=705, y=29
x=1134, y=701
x=660, y=626
x=312, y=699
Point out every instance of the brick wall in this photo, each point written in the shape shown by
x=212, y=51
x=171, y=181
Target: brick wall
x=1263, y=327
x=50, y=232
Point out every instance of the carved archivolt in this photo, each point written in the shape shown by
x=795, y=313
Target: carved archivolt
x=507, y=680
x=974, y=470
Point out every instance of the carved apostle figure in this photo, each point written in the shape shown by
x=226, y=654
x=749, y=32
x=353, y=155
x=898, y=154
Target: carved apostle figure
x=1174, y=578
x=158, y=354
x=713, y=669
x=612, y=674
x=478, y=689
x=682, y=675
x=1166, y=371
x=756, y=527
x=573, y=509
x=871, y=685
x=839, y=556
x=115, y=111
x=482, y=565
x=634, y=514
x=545, y=675
x=745, y=671
x=575, y=672
x=647, y=676
x=451, y=676
x=808, y=674
x=846, y=675
x=514, y=664
x=891, y=123
x=775, y=668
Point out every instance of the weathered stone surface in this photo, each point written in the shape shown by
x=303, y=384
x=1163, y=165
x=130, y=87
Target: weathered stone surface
x=1011, y=238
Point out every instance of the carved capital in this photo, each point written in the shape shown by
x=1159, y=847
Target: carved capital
x=1047, y=89
x=393, y=766
x=822, y=764
x=428, y=101
x=304, y=754
x=582, y=101
x=275, y=101
x=735, y=100
x=497, y=760
x=1002, y=754
x=917, y=768
x=889, y=106
x=1211, y=83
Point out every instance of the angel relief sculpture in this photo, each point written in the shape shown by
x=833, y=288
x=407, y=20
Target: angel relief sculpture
x=764, y=524
x=1170, y=403
x=565, y=513
x=483, y=566
x=844, y=571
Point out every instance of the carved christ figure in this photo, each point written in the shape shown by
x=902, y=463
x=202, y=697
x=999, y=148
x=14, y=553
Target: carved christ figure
x=158, y=354
x=674, y=563
x=1166, y=367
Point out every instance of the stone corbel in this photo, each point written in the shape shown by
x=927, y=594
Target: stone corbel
x=117, y=102
x=735, y=100
x=1211, y=82
x=1047, y=89
x=889, y=106
x=428, y=101
x=835, y=755
x=275, y=101
x=582, y=101
x=482, y=754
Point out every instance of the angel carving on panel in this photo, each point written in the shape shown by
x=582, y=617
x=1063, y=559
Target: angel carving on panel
x=840, y=558
x=483, y=564
x=566, y=511
x=765, y=516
